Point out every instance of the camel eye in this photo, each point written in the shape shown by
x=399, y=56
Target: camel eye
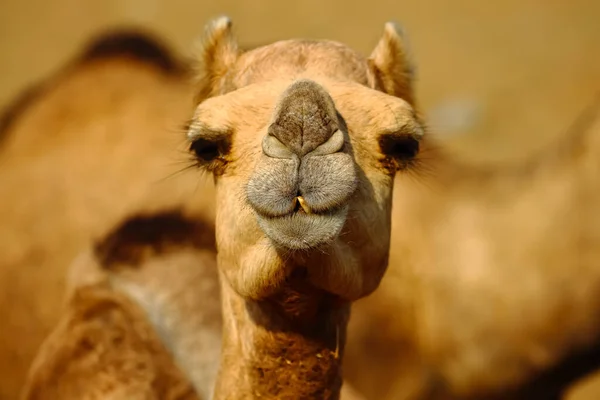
x=209, y=146
x=205, y=150
x=401, y=149
x=210, y=154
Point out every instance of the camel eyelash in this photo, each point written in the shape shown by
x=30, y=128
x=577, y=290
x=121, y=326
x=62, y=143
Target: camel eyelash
x=187, y=125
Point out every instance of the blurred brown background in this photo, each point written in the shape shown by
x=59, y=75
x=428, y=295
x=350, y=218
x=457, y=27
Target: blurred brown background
x=501, y=78
x=502, y=70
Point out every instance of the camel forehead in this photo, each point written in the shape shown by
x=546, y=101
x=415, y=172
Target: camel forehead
x=291, y=58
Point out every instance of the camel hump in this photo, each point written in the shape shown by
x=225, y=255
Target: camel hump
x=134, y=44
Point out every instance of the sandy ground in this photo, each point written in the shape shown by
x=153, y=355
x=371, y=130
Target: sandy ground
x=500, y=79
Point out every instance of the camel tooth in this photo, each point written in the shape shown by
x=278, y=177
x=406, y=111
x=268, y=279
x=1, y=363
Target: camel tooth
x=303, y=204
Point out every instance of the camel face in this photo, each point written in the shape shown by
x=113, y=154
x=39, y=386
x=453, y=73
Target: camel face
x=303, y=143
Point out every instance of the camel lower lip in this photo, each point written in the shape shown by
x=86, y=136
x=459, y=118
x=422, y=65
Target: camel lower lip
x=303, y=231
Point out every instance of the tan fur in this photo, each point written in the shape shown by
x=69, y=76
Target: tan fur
x=392, y=65
x=288, y=277
x=218, y=54
x=166, y=262
x=100, y=141
x=103, y=348
x=475, y=305
x=159, y=270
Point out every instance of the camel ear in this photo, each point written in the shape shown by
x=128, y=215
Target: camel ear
x=219, y=53
x=391, y=65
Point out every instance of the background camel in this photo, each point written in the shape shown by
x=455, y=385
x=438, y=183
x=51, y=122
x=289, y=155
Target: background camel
x=509, y=181
x=142, y=318
x=115, y=120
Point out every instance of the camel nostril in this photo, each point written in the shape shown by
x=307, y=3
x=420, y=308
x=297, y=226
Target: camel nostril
x=273, y=147
x=334, y=144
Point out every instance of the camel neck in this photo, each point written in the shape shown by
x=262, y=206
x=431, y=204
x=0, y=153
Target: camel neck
x=287, y=346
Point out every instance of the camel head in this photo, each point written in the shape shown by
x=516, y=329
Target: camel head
x=304, y=139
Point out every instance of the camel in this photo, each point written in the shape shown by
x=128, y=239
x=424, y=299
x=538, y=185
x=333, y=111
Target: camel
x=265, y=218
x=142, y=318
x=303, y=161
x=42, y=377
x=107, y=123
x=406, y=356
x=292, y=295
